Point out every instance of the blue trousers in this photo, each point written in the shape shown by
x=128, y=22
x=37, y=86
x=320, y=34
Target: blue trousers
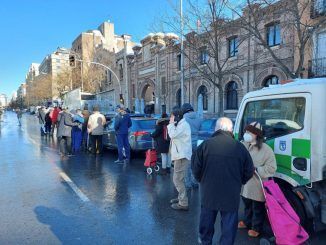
x=229, y=226
x=123, y=143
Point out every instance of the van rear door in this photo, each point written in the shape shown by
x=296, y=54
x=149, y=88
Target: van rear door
x=286, y=122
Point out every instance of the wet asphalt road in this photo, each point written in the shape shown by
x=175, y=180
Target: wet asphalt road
x=118, y=205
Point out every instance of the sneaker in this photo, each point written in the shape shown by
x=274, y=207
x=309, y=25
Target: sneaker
x=253, y=233
x=242, y=225
x=168, y=170
x=177, y=206
x=174, y=200
x=119, y=161
x=126, y=161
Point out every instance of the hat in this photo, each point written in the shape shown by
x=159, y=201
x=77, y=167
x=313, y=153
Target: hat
x=121, y=107
x=255, y=128
x=186, y=107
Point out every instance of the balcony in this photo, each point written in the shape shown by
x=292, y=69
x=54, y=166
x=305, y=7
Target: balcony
x=318, y=8
x=317, y=68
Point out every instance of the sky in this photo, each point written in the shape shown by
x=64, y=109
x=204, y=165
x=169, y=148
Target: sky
x=31, y=29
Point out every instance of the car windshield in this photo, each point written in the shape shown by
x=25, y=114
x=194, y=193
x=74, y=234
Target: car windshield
x=278, y=117
x=144, y=124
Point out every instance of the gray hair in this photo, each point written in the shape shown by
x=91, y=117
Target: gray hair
x=224, y=124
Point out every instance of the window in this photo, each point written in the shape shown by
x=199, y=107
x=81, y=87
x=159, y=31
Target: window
x=273, y=35
x=121, y=71
x=179, y=98
x=109, y=77
x=231, y=96
x=233, y=46
x=179, y=62
x=271, y=80
x=203, y=91
x=278, y=117
x=163, y=86
x=133, y=90
x=204, y=58
x=319, y=7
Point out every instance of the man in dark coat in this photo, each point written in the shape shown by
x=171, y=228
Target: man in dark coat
x=221, y=165
x=122, y=124
x=65, y=124
x=162, y=142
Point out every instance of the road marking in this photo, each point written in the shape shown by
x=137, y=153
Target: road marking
x=74, y=187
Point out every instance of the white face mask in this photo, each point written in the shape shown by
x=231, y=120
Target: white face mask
x=247, y=138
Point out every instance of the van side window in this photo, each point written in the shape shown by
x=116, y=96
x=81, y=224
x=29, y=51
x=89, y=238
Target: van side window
x=278, y=117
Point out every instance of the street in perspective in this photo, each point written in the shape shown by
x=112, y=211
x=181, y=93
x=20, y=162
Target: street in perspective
x=205, y=124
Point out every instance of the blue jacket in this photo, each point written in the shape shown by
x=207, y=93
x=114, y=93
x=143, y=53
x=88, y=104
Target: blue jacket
x=195, y=123
x=122, y=123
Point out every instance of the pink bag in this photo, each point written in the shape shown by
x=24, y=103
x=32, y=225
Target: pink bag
x=283, y=219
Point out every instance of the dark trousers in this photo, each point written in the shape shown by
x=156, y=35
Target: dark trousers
x=65, y=145
x=54, y=125
x=255, y=213
x=123, y=143
x=229, y=222
x=48, y=127
x=85, y=140
x=96, y=143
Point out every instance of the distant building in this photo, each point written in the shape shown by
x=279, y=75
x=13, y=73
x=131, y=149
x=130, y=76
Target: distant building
x=100, y=45
x=3, y=100
x=33, y=72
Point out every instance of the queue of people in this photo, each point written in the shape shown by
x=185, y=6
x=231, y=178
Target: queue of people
x=219, y=163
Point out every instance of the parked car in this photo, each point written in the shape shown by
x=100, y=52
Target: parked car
x=139, y=133
x=207, y=128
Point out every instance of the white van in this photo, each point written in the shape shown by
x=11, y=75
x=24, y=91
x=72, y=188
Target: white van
x=293, y=117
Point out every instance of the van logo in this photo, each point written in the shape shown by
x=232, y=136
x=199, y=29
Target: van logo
x=282, y=145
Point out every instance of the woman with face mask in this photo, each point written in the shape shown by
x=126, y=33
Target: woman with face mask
x=252, y=194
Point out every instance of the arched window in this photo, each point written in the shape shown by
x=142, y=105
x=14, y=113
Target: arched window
x=231, y=96
x=271, y=80
x=203, y=91
x=179, y=98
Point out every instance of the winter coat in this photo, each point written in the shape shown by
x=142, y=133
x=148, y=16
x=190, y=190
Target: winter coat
x=65, y=124
x=195, y=123
x=122, y=123
x=41, y=116
x=85, y=114
x=180, y=140
x=265, y=163
x=54, y=115
x=221, y=165
x=96, y=123
x=161, y=145
x=48, y=120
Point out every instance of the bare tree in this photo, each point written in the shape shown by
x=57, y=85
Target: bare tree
x=258, y=13
x=208, y=27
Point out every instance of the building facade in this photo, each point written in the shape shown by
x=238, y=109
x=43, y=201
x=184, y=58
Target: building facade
x=3, y=100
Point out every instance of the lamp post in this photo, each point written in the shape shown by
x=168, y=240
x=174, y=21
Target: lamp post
x=60, y=50
x=181, y=55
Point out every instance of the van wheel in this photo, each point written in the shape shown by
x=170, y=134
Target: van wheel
x=296, y=204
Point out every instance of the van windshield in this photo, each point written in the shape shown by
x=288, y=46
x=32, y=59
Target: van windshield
x=278, y=117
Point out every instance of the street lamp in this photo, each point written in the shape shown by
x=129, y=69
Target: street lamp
x=63, y=50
